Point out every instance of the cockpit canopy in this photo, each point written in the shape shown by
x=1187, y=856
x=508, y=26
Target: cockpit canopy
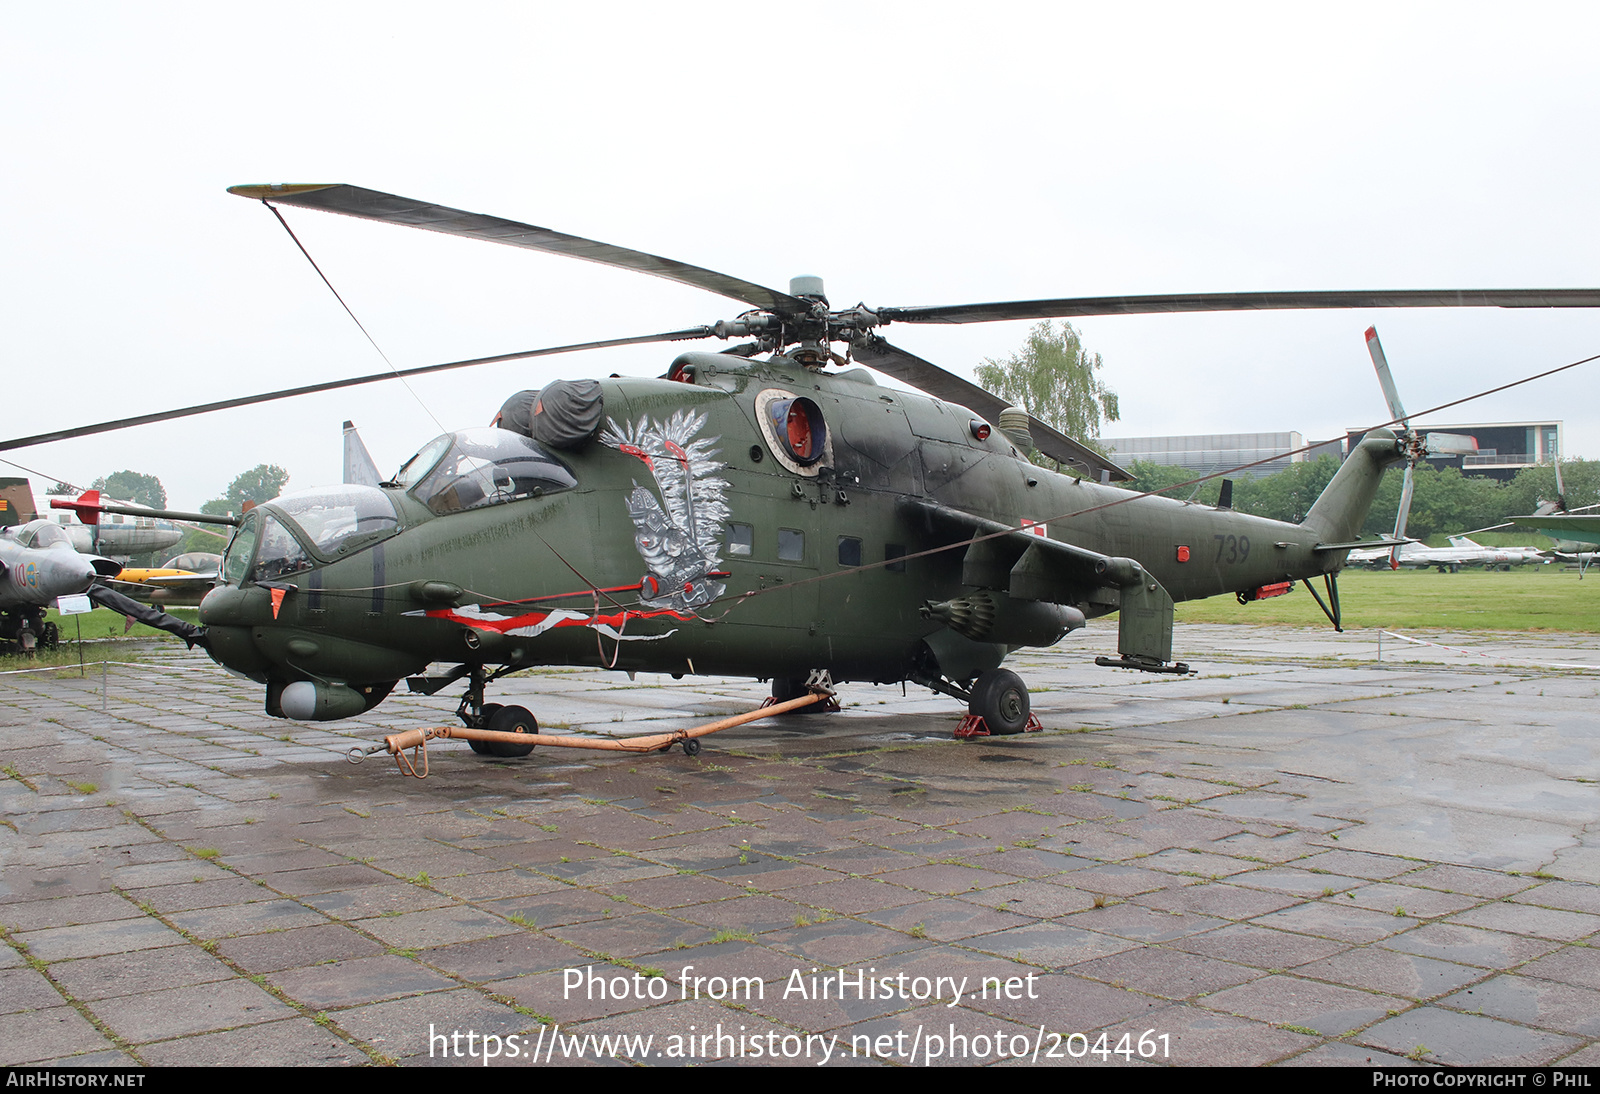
x=467, y=469
x=334, y=520
x=198, y=562
x=42, y=533
x=472, y=468
x=338, y=518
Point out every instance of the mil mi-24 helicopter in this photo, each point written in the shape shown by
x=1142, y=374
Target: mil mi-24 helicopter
x=753, y=512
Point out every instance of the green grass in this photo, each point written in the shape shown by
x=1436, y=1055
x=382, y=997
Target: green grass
x=1532, y=598
x=100, y=623
x=105, y=623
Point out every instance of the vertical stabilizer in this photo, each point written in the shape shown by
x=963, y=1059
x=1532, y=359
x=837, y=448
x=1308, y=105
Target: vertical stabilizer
x=16, y=502
x=1340, y=512
x=358, y=465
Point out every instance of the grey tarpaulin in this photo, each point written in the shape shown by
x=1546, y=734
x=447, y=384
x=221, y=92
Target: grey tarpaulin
x=564, y=414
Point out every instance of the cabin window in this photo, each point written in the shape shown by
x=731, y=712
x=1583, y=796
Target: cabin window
x=791, y=545
x=894, y=556
x=741, y=540
x=849, y=551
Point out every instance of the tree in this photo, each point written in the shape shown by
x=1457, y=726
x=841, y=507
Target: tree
x=61, y=490
x=1287, y=495
x=1536, y=484
x=133, y=486
x=1155, y=478
x=208, y=538
x=261, y=483
x=1055, y=379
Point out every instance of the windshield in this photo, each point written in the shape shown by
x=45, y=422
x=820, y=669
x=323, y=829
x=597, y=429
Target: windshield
x=484, y=466
x=239, y=550
x=420, y=464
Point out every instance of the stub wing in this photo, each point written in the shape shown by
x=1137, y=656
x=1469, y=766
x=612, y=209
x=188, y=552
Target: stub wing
x=1032, y=567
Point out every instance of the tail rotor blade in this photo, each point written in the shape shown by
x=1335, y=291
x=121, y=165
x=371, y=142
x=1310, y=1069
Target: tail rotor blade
x=1401, y=516
x=1561, y=490
x=1381, y=364
x=1450, y=444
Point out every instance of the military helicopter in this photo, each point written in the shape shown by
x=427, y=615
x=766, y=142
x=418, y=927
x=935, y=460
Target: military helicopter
x=769, y=511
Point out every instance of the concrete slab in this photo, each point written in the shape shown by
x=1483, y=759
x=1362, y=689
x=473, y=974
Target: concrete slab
x=1300, y=855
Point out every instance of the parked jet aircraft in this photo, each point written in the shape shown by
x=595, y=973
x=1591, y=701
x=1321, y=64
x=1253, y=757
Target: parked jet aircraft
x=1461, y=552
x=37, y=565
x=182, y=579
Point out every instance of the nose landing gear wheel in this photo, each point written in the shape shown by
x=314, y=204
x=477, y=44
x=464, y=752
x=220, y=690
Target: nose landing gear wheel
x=1000, y=698
x=511, y=720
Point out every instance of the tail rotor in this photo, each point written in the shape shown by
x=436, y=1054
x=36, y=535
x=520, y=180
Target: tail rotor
x=1418, y=446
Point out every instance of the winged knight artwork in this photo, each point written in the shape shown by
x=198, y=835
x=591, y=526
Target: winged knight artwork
x=679, y=536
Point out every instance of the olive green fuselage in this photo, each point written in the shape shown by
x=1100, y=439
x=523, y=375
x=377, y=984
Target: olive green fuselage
x=805, y=567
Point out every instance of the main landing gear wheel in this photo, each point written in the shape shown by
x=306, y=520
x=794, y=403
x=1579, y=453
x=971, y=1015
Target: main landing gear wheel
x=1000, y=698
x=511, y=720
x=489, y=711
x=785, y=688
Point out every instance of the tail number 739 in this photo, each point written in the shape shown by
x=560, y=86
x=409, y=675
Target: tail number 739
x=1231, y=549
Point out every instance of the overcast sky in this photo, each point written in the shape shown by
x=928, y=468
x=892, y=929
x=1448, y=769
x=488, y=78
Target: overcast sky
x=907, y=153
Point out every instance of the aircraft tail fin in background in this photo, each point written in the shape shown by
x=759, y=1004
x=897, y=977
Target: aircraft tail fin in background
x=358, y=466
x=16, y=502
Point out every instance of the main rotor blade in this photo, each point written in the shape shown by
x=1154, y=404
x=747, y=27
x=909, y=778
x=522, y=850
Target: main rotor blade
x=929, y=377
x=1068, y=307
x=355, y=201
x=1381, y=364
x=331, y=385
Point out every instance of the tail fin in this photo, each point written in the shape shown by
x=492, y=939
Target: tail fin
x=358, y=465
x=1340, y=512
x=16, y=502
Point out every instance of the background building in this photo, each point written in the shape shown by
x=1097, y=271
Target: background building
x=1212, y=452
x=1504, y=448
